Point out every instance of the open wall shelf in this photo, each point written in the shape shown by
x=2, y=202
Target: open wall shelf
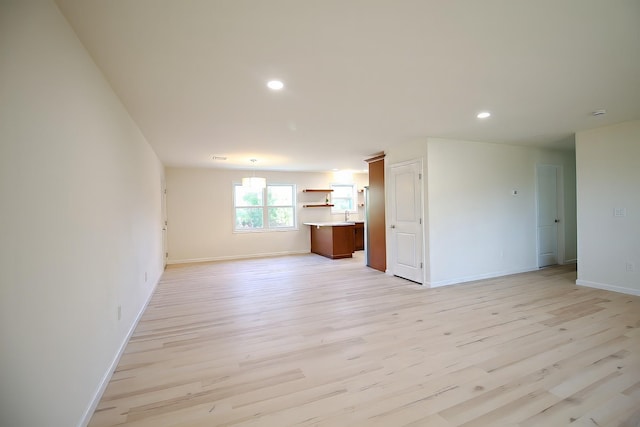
x=326, y=204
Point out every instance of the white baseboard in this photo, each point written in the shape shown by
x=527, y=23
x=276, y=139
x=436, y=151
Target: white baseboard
x=109, y=373
x=569, y=261
x=478, y=277
x=232, y=257
x=623, y=290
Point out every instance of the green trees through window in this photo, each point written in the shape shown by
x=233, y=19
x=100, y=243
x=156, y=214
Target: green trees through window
x=263, y=209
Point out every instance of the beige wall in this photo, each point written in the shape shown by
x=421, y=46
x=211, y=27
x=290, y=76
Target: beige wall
x=200, y=214
x=80, y=221
x=608, y=177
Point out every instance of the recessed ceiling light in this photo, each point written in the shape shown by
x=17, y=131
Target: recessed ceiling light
x=275, y=84
x=222, y=158
x=599, y=113
x=483, y=115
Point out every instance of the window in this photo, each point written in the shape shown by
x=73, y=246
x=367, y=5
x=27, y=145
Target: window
x=344, y=198
x=271, y=208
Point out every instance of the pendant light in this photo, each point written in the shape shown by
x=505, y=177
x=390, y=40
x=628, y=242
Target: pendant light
x=254, y=181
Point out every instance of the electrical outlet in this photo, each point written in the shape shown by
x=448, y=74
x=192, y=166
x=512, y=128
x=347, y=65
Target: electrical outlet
x=631, y=266
x=145, y=277
x=119, y=312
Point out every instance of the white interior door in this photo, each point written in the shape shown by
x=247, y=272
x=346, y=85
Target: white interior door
x=405, y=197
x=547, y=189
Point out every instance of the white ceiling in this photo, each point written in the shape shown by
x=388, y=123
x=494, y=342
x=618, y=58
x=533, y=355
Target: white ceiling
x=361, y=75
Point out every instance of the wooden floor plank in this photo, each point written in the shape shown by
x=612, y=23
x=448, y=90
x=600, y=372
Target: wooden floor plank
x=305, y=340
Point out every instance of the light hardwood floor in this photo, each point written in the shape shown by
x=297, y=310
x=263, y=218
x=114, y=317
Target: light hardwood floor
x=304, y=340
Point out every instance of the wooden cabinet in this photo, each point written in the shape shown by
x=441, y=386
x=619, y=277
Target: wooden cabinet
x=358, y=235
x=376, y=228
x=332, y=241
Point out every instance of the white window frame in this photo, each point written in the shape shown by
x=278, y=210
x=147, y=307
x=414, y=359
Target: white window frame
x=354, y=198
x=265, y=210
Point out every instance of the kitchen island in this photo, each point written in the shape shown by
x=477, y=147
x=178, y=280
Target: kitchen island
x=333, y=239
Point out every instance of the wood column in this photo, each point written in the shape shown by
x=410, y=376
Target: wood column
x=376, y=227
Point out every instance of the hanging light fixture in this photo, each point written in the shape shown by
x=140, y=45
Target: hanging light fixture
x=254, y=181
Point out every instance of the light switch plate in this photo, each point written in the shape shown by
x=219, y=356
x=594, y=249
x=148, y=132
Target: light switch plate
x=619, y=211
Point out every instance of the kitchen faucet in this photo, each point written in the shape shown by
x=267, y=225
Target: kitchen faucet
x=346, y=215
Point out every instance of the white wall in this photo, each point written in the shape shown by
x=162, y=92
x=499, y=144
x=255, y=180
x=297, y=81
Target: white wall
x=608, y=177
x=80, y=220
x=474, y=227
x=200, y=214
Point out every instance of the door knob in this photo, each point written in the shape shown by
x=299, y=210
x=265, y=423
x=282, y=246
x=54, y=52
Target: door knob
x=556, y=220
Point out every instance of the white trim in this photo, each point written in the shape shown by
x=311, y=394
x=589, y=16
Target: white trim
x=232, y=257
x=479, y=277
x=264, y=230
x=102, y=386
x=570, y=261
x=619, y=289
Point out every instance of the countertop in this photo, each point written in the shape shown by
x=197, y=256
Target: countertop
x=333, y=223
